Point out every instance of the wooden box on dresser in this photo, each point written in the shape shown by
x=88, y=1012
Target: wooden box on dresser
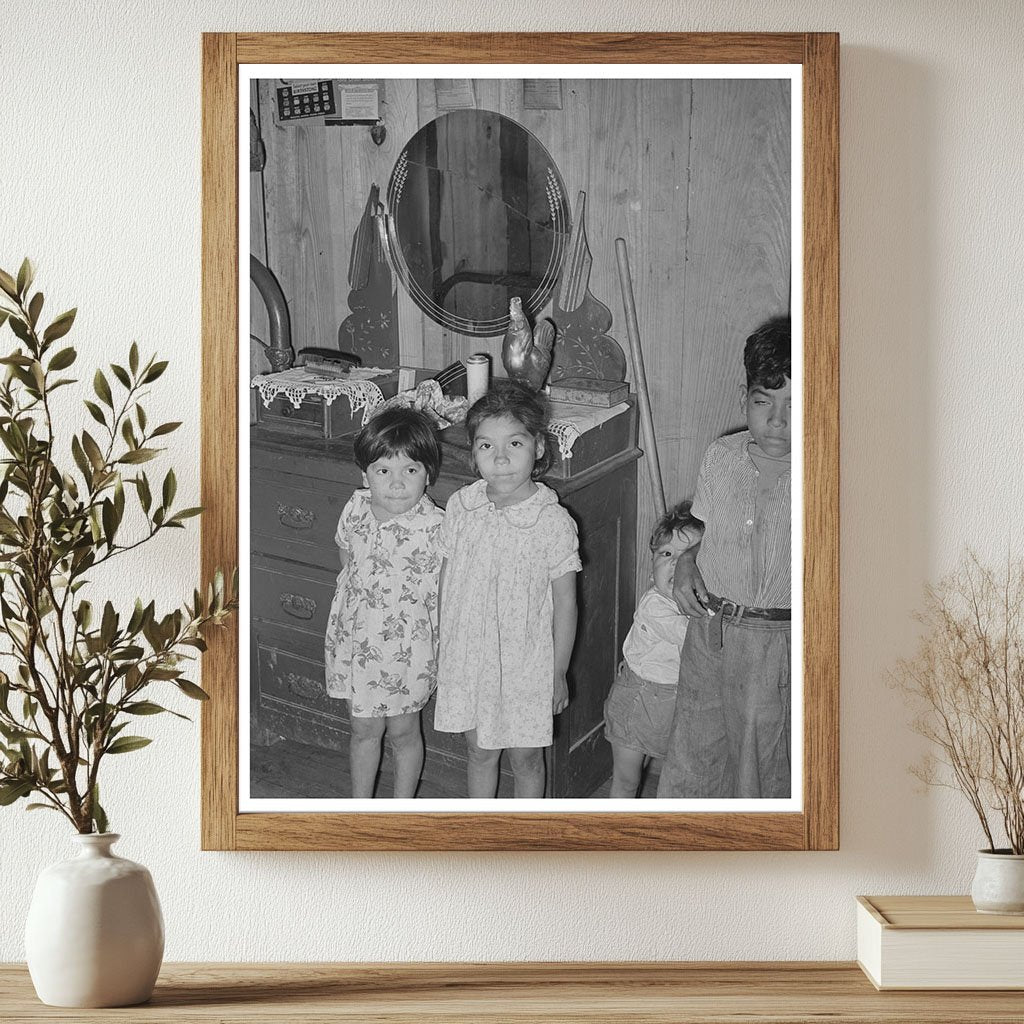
x=298, y=487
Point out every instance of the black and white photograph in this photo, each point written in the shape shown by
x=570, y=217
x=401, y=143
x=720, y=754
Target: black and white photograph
x=520, y=438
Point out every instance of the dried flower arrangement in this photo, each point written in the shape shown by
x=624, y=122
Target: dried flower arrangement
x=967, y=680
x=80, y=674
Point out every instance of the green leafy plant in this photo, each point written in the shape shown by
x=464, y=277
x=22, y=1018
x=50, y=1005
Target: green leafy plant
x=78, y=673
x=967, y=682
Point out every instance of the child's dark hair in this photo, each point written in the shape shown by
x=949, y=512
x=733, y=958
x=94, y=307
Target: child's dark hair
x=766, y=354
x=401, y=431
x=508, y=398
x=676, y=518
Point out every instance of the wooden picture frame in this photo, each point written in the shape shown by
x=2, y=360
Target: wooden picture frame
x=816, y=826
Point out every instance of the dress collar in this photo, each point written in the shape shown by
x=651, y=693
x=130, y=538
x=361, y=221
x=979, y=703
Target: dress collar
x=522, y=513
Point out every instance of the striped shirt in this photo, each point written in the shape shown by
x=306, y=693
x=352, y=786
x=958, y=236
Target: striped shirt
x=745, y=554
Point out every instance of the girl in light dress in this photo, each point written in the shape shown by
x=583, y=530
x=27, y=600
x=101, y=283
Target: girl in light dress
x=381, y=643
x=508, y=596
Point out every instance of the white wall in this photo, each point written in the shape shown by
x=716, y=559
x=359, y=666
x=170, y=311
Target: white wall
x=99, y=182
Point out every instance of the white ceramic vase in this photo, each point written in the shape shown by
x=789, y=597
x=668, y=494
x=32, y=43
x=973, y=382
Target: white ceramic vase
x=95, y=933
x=999, y=882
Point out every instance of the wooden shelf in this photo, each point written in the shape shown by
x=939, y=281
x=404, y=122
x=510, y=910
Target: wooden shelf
x=477, y=993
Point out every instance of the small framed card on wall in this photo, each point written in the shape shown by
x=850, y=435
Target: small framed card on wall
x=520, y=419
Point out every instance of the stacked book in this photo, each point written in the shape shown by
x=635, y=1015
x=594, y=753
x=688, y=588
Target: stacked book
x=938, y=942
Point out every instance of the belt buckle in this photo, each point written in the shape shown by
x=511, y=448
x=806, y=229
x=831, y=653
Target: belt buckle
x=715, y=625
x=726, y=608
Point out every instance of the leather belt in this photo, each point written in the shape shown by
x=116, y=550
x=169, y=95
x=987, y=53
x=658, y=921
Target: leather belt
x=735, y=613
x=741, y=611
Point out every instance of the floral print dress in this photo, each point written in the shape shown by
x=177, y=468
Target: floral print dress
x=381, y=645
x=497, y=659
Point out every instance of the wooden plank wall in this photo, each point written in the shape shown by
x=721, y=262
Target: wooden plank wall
x=693, y=174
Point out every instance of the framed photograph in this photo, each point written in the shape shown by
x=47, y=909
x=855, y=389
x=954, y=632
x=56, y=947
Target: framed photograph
x=631, y=228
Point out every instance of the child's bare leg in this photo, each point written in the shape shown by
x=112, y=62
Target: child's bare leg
x=364, y=754
x=482, y=769
x=528, y=771
x=627, y=770
x=406, y=739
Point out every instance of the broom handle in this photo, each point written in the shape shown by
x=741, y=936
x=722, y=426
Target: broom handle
x=640, y=378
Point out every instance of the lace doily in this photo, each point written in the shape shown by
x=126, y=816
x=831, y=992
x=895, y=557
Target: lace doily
x=298, y=382
x=569, y=422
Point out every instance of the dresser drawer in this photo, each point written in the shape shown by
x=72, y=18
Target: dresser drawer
x=292, y=595
x=294, y=517
x=291, y=683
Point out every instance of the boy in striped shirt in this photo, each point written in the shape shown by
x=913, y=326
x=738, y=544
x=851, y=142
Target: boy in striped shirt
x=731, y=730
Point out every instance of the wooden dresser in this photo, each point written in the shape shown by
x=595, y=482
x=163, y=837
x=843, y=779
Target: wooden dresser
x=298, y=487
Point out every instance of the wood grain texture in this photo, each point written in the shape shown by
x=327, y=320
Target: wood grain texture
x=821, y=445
x=219, y=429
x=936, y=912
x=620, y=171
x=524, y=47
x=526, y=993
x=480, y=832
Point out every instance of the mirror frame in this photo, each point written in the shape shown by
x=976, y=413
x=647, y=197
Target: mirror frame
x=816, y=826
x=558, y=203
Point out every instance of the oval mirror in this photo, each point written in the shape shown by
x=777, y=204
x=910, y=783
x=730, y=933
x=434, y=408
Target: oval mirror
x=477, y=214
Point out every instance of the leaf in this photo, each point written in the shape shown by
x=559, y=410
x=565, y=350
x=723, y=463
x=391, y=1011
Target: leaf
x=119, y=498
x=99, y=816
x=191, y=690
x=83, y=613
x=170, y=488
x=102, y=388
x=20, y=328
x=126, y=744
x=8, y=284
x=95, y=412
x=26, y=274
x=108, y=625
x=81, y=461
x=128, y=433
x=133, y=358
x=154, y=372
x=130, y=653
x=145, y=497
x=109, y=517
x=60, y=326
x=185, y=513
x=41, y=807
x=92, y=449
x=63, y=359
x=165, y=428
x=140, y=415
x=14, y=790
x=121, y=374
x=138, y=455
x=143, y=707
x=34, y=308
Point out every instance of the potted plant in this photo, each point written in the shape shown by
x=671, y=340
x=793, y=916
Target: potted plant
x=79, y=671
x=967, y=681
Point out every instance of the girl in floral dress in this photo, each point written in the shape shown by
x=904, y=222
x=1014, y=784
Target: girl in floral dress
x=381, y=644
x=508, y=597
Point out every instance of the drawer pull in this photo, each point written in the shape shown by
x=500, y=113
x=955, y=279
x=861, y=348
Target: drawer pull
x=297, y=606
x=295, y=517
x=303, y=686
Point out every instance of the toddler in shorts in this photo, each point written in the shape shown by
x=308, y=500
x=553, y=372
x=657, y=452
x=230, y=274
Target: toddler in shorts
x=638, y=711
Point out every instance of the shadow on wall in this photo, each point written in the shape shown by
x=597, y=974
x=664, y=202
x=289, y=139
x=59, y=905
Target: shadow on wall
x=887, y=199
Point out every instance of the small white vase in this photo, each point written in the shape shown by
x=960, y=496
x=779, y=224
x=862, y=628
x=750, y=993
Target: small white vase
x=999, y=882
x=95, y=934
